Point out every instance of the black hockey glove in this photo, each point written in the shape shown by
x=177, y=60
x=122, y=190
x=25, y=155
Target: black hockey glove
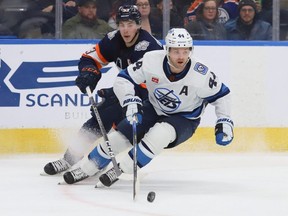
x=132, y=105
x=89, y=76
x=108, y=98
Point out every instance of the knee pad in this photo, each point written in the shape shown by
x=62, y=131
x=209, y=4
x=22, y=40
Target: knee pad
x=117, y=141
x=157, y=138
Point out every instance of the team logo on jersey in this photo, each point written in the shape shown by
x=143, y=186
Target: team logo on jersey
x=167, y=100
x=200, y=68
x=142, y=46
x=223, y=15
x=111, y=34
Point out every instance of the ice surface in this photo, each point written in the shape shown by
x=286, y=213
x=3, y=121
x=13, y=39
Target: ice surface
x=192, y=184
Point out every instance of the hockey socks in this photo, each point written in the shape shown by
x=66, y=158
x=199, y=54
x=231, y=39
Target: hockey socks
x=99, y=157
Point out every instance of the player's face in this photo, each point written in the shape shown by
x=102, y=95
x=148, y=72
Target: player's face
x=178, y=57
x=247, y=14
x=128, y=30
x=88, y=11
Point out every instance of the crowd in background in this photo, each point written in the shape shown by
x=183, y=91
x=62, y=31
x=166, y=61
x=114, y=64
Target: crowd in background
x=92, y=19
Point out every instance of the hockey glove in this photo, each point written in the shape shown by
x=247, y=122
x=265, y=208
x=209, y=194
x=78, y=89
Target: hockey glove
x=224, y=131
x=89, y=76
x=132, y=105
x=108, y=98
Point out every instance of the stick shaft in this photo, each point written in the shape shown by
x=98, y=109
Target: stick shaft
x=134, y=128
x=103, y=131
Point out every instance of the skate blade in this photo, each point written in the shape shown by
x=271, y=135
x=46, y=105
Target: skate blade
x=62, y=183
x=45, y=174
x=99, y=185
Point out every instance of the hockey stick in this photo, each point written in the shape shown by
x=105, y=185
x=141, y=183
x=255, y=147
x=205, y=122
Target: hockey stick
x=135, y=182
x=103, y=131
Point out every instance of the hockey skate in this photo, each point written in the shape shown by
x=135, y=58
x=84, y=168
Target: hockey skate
x=56, y=167
x=109, y=178
x=74, y=176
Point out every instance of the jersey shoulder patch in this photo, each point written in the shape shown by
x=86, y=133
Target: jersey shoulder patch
x=142, y=45
x=200, y=68
x=112, y=34
x=154, y=57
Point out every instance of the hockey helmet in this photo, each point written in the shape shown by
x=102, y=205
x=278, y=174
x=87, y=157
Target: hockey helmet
x=178, y=38
x=128, y=12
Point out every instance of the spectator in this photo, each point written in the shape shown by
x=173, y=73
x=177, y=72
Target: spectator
x=206, y=26
x=69, y=7
x=112, y=16
x=227, y=10
x=144, y=8
x=114, y=10
x=12, y=13
x=85, y=23
x=40, y=25
x=39, y=21
x=182, y=7
x=191, y=12
x=266, y=15
x=104, y=8
x=157, y=19
x=247, y=26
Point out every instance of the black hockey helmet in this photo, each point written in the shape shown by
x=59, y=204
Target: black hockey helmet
x=128, y=12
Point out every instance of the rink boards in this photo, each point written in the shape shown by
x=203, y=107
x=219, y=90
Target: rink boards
x=246, y=140
x=39, y=100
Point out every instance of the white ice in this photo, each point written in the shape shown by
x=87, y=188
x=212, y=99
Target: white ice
x=192, y=184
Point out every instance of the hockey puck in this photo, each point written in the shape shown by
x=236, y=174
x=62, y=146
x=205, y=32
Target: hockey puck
x=151, y=196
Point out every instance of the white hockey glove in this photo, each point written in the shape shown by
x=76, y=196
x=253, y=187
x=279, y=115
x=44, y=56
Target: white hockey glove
x=132, y=105
x=224, y=131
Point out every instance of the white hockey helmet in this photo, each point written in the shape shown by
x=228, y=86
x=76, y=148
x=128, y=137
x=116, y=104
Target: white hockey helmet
x=178, y=37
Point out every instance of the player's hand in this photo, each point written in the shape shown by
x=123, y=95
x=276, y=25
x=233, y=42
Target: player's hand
x=108, y=97
x=133, y=106
x=89, y=76
x=224, y=131
x=106, y=93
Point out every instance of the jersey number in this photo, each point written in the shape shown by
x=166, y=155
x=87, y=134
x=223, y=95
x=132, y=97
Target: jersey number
x=212, y=81
x=137, y=65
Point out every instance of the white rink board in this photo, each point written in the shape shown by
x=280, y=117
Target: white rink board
x=256, y=76
x=40, y=108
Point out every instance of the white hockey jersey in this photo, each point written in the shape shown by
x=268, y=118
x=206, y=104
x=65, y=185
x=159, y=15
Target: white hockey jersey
x=186, y=93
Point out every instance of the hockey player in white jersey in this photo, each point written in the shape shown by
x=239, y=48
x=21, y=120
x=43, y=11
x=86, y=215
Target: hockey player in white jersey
x=179, y=88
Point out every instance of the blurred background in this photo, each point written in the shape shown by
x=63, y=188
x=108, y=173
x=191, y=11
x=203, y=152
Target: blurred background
x=46, y=18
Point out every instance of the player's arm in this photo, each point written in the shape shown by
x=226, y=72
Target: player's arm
x=124, y=89
x=90, y=64
x=218, y=94
x=127, y=79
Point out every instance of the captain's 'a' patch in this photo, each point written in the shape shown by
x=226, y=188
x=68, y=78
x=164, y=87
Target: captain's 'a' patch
x=200, y=68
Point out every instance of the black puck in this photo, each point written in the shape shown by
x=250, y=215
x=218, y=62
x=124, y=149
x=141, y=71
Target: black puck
x=151, y=196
